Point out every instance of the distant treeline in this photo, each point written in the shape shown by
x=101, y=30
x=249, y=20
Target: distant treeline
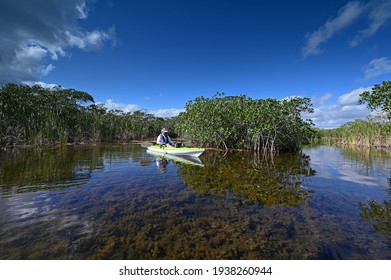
x=34, y=115
x=372, y=132
x=375, y=131
x=240, y=122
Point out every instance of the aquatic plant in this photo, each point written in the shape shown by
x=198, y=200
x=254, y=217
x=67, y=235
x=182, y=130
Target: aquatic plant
x=249, y=179
x=379, y=214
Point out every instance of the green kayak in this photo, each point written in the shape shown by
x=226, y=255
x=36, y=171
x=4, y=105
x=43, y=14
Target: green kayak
x=184, y=151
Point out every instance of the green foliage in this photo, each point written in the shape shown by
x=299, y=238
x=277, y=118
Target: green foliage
x=243, y=123
x=33, y=114
x=379, y=98
x=37, y=116
x=375, y=131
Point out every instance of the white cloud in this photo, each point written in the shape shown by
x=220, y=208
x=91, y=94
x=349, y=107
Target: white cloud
x=82, y=9
x=88, y=40
x=30, y=51
x=127, y=108
x=377, y=67
x=34, y=32
x=47, y=69
x=337, y=115
x=346, y=16
x=321, y=100
x=167, y=113
x=377, y=13
x=346, y=110
x=352, y=97
x=42, y=84
x=130, y=108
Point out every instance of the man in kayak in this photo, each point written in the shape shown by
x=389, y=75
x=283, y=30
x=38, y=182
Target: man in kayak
x=163, y=138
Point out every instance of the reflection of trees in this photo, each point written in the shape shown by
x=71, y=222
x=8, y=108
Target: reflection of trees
x=59, y=167
x=379, y=214
x=251, y=178
x=367, y=158
x=46, y=168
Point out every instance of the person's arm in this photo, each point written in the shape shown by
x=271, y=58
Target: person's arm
x=169, y=140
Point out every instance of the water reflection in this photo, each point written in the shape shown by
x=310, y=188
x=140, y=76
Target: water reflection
x=113, y=202
x=163, y=159
x=27, y=170
x=161, y=164
x=252, y=178
x=363, y=167
x=378, y=214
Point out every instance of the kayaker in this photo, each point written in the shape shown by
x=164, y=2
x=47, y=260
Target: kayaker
x=163, y=138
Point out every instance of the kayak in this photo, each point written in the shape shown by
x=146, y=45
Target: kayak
x=181, y=159
x=184, y=151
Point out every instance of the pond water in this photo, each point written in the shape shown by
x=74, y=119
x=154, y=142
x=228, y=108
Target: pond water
x=119, y=202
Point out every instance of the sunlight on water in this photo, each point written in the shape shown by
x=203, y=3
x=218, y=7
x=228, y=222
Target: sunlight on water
x=119, y=202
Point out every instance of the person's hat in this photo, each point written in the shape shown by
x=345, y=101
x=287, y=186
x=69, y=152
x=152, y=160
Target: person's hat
x=164, y=130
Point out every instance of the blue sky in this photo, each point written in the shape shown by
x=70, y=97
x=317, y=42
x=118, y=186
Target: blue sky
x=157, y=55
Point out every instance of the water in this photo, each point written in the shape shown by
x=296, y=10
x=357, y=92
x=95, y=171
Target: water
x=119, y=202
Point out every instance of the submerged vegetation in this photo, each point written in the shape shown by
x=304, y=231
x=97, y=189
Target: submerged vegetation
x=246, y=178
x=112, y=202
x=379, y=214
